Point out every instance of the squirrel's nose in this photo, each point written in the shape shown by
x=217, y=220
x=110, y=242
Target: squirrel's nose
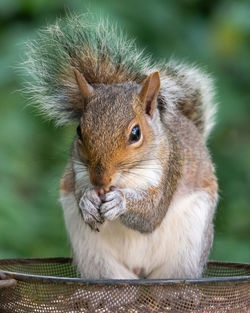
x=100, y=180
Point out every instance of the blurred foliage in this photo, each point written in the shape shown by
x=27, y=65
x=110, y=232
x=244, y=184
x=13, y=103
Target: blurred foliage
x=213, y=34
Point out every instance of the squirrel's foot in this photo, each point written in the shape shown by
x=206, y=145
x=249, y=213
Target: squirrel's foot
x=113, y=204
x=89, y=205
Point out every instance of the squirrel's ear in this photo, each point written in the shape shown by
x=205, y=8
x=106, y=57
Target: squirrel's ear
x=149, y=92
x=85, y=88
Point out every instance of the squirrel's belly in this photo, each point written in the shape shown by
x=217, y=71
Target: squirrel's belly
x=137, y=251
x=176, y=244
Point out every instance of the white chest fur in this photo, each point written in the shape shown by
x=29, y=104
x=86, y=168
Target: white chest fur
x=174, y=249
x=176, y=242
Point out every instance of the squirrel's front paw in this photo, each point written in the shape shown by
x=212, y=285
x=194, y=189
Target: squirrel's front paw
x=89, y=205
x=113, y=204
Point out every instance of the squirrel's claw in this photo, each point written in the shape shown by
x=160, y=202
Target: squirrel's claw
x=89, y=205
x=114, y=204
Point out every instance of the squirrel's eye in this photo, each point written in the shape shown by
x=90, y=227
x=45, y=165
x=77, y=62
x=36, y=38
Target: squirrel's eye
x=135, y=134
x=79, y=132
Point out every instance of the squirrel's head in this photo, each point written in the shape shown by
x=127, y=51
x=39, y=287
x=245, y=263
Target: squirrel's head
x=115, y=132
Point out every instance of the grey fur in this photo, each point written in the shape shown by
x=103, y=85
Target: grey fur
x=104, y=55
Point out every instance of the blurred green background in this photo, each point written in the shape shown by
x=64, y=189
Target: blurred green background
x=213, y=34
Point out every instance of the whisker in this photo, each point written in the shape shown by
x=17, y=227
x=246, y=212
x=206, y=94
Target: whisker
x=130, y=173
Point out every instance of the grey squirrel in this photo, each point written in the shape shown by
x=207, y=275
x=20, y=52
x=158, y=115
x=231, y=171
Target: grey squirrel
x=139, y=191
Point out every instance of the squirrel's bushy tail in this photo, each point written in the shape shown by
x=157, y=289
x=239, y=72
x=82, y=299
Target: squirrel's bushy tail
x=103, y=55
x=191, y=91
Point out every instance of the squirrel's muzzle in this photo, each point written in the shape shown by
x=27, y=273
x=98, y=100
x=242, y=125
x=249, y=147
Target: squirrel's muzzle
x=100, y=178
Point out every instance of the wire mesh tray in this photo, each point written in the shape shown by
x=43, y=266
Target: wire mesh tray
x=53, y=285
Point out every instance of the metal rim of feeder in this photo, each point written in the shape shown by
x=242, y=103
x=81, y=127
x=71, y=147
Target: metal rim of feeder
x=57, y=279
